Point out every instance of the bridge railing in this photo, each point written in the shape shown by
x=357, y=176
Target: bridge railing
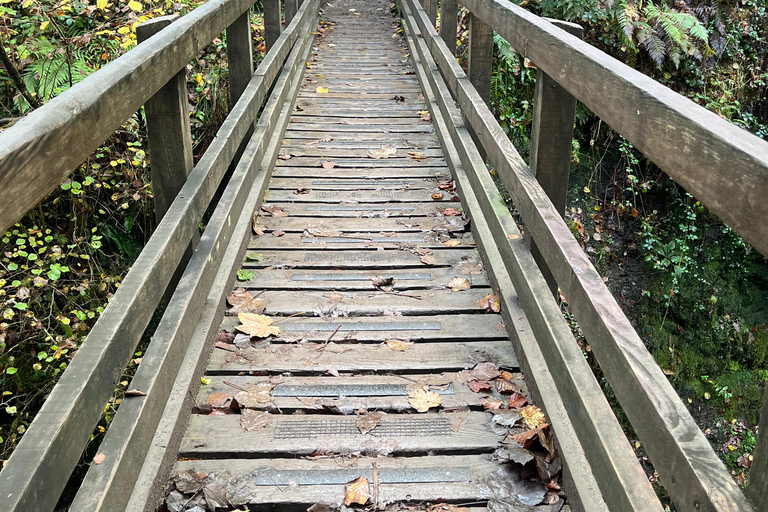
x=720, y=164
x=42, y=149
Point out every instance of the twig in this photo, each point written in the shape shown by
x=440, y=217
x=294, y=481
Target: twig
x=291, y=316
x=328, y=339
x=375, y=486
x=13, y=73
x=235, y=386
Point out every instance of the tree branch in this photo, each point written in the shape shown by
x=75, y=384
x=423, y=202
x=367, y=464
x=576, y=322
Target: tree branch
x=16, y=77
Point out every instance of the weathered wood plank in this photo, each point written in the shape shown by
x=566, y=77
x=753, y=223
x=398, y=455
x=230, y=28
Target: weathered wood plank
x=361, y=127
x=335, y=152
x=272, y=24
x=448, y=23
x=330, y=182
x=239, y=56
x=382, y=195
x=354, y=259
x=480, y=57
x=290, y=7
x=360, y=241
x=661, y=420
x=50, y=142
x=722, y=165
x=344, y=225
x=365, y=173
x=421, y=357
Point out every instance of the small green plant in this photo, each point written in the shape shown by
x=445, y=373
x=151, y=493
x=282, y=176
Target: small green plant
x=245, y=275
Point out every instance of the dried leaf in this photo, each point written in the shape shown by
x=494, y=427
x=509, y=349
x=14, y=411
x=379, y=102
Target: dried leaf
x=485, y=371
x=357, y=491
x=451, y=212
x=258, y=229
x=135, y=392
x=243, y=302
x=278, y=233
x=335, y=297
x=98, y=459
x=302, y=191
x=328, y=165
x=428, y=259
x=220, y=400
x=423, y=399
x=255, y=395
x=479, y=385
x=274, y=210
x=517, y=401
x=490, y=303
x=385, y=284
x=459, y=284
x=506, y=387
x=225, y=337
x=285, y=156
x=398, y=345
x=491, y=403
x=189, y=481
x=416, y=155
x=445, y=507
x=533, y=416
x=527, y=437
x=259, y=326
x=470, y=267
x=384, y=151
x=368, y=422
x=506, y=417
x=427, y=117
x=437, y=196
x=513, y=452
x=452, y=242
x=254, y=420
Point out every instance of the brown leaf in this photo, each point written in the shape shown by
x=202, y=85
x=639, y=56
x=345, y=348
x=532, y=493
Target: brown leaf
x=243, y=302
x=399, y=345
x=254, y=420
x=423, y=399
x=427, y=117
x=309, y=402
x=135, y=392
x=368, y=422
x=485, y=371
x=459, y=284
x=278, y=233
x=357, y=491
x=98, y=459
x=451, y=212
x=274, y=210
x=321, y=233
x=490, y=303
x=517, y=401
x=384, y=151
x=301, y=191
x=258, y=229
x=428, y=259
x=470, y=267
x=225, y=337
x=479, y=385
x=437, y=196
x=220, y=400
x=335, y=297
x=259, y=326
x=385, y=284
x=284, y=157
x=255, y=395
x=416, y=155
x=491, y=403
x=527, y=437
x=506, y=387
x=328, y=165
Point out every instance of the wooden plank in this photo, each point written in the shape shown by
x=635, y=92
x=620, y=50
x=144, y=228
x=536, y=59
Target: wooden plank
x=722, y=165
x=290, y=7
x=361, y=210
x=127, y=441
x=48, y=143
x=354, y=259
x=239, y=56
x=342, y=136
x=430, y=6
x=364, y=173
x=366, y=196
x=343, y=225
x=400, y=127
x=480, y=57
x=272, y=24
x=448, y=23
x=208, y=435
x=421, y=357
x=373, y=241
x=658, y=415
x=458, y=397
x=330, y=182
x=622, y=481
x=332, y=153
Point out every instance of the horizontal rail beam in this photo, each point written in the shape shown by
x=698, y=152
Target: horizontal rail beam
x=42, y=149
x=723, y=166
x=691, y=471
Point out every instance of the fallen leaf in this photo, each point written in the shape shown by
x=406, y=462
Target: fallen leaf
x=533, y=416
x=243, y=302
x=220, y=400
x=416, y=155
x=385, y=284
x=527, y=437
x=278, y=233
x=301, y=191
x=225, y=337
x=399, y=99
x=490, y=303
x=491, y=403
x=383, y=152
x=437, y=196
x=506, y=417
x=274, y=210
x=98, y=459
x=479, y=385
x=135, y=392
x=322, y=90
x=445, y=507
x=328, y=165
x=513, y=237
x=517, y=401
x=427, y=117
x=285, y=156
x=357, y=491
x=459, y=284
x=258, y=229
x=399, y=345
x=335, y=297
x=423, y=399
x=255, y=395
x=513, y=452
x=322, y=233
x=309, y=402
x=368, y=422
x=452, y=242
x=254, y=420
x=259, y=326
x=449, y=185
x=451, y=212
x=485, y=371
x=189, y=481
x=428, y=259
x=505, y=386
x=470, y=267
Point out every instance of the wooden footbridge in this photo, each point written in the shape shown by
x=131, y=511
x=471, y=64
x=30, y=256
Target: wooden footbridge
x=371, y=236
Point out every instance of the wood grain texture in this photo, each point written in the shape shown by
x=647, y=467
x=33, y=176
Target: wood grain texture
x=50, y=142
x=360, y=241
x=272, y=23
x=480, y=57
x=694, y=474
x=356, y=260
x=239, y=56
x=723, y=166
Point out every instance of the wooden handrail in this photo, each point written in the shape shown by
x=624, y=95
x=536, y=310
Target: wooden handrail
x=693, y=474
x=40, y=466
x=41, y=150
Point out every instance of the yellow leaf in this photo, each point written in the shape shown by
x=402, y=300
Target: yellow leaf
x=322, y=90
x=123, y=30
x=44, y=25
x=533, y=416
x=205, y=381
x=134, y=5
x=423, y=399
x=357, y=491
x=399, y=345
x=259, y=326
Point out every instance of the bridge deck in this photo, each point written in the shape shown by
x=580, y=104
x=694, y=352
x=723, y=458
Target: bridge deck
x=362, y=250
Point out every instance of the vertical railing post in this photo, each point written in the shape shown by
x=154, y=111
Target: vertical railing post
x=169, y=139
x=480, y=57
x=430, y=6
x=448, y=22
x=757, y=490
x=551, y=143
x=291, y=6
x=239, y=56
x=272, y=26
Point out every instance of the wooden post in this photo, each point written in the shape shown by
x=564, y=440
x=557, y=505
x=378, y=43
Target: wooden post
x=272, y=26
x=480, y=57
x=431, y=7
x=291, y=6
x=448, y=22
x=239, y=56
x=551, y=143
x=757, y=490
